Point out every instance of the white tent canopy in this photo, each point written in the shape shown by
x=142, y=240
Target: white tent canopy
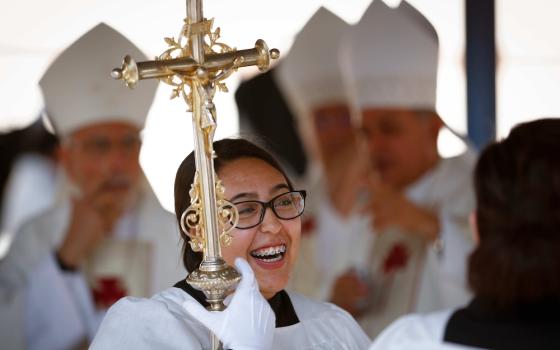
x=34, y=32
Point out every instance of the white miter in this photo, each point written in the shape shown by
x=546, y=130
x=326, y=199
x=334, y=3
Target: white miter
x=309, y=75
x=390, y=59
x=78, y=89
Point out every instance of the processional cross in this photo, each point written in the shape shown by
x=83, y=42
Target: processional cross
x=196, y=64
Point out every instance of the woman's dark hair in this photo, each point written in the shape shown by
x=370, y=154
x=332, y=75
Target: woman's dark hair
x=517, y=184
x=227, y=150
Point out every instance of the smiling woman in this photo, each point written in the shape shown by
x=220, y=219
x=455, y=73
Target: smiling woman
x=268, y=240
x=249, y=174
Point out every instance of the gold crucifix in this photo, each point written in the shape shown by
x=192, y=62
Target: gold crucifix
x=196, y=64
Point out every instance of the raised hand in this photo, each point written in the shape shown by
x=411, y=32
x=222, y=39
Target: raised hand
x=91, y=221
x=248, y=322
x=389, y=207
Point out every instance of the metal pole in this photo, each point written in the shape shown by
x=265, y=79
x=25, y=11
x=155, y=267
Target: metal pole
x=481, y=71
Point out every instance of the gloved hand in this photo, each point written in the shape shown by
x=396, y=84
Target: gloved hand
x=247, y=323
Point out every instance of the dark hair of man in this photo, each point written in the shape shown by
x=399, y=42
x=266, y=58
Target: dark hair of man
x=517, y=184
x=227, y=150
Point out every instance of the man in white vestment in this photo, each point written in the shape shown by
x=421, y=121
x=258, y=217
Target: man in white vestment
x=31, y=184
x=311, y=81
x=392, y=232
x=107, y=235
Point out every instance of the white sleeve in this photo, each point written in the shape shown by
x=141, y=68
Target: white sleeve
x=444, y=282
x=322, y=326
x=452, y=259
x=35, y=294
x=416, y=332
x=336, y=238
x=355, y=337
x=11, y=322
x=29, y=191
x=55, y=316
x=397, y=334
x=457, y=244
x=331, y=247
x=457, y=204
x=145, y=324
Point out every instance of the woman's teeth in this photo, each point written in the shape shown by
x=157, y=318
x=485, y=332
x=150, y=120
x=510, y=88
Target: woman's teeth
x=270, y=254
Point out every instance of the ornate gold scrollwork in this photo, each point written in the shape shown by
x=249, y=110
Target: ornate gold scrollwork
x=191, y=218
x=228, y=216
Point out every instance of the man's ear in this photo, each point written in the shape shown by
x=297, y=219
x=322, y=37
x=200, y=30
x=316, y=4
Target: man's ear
x=435, y=124
x=474, y=227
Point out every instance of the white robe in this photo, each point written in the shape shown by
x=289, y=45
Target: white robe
x=44, y=307
x=417, y=332
x=162, y=323
x=30, y=189
x=339, y=244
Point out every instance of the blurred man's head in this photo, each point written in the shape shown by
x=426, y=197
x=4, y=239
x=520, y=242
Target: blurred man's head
x=391, y=59
x=101, y=160
x=517, y=185
x=98, y=119
x=332, y=128
x=310, y=75
x=402, y=143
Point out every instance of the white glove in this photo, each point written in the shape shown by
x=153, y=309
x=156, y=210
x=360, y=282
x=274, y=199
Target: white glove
x=247, y=323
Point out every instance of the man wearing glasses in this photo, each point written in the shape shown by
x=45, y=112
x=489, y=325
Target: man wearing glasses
x=106, y=236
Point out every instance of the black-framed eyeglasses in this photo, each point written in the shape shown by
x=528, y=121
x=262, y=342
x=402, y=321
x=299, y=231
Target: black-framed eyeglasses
x=285, y=206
